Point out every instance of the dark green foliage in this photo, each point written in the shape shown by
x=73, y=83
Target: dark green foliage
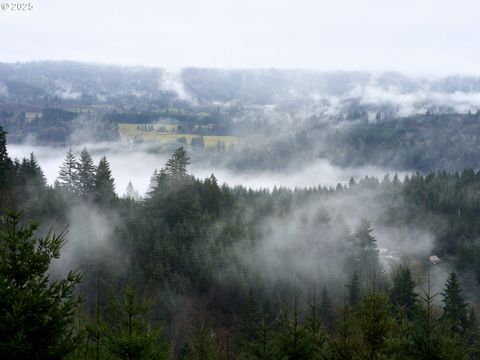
x=315, y=335
x=68, y=174
x=30, y=174
x=455, y=309
x=264, y=347
x=3, y=147
x=375, y=324
x=313, y=320
x=366, y=253
x=249, y=319
x=176, y=166
x=290, y=337
x=128, y=333
x=6, y=174
x=104, y=183
x=193, y=242
x=86, y=174
x=326, y=310
x=346, y=342
x=402, y=294
x=353, y=296
x=36, y=313
x=30, y=186
x=203, y=345
x=430, y=338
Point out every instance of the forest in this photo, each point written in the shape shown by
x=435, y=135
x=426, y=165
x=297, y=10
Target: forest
x=202, y=270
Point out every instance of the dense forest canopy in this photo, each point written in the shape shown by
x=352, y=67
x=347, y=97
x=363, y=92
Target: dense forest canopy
x=202, y=270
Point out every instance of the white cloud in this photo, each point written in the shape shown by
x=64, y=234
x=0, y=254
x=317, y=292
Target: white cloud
x=432, y=36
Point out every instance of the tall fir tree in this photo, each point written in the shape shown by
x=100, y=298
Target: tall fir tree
x=353, y=296
x=315, y=336
x=3, y=147
x=432, y=338
x=153, y=182
x=30, y=187
x=455, y=309
x=203, y=345
x=375, y=323
x=249, y=318
x=68, y=174
x=402, y=294
x=367, y=254
x=104, y=183
x=131, y=193
x=36, y=313
x=326, y=310
x=86, y=174
x=7, y=174
x=176, y=166
x=31, y=174
x=129, y=335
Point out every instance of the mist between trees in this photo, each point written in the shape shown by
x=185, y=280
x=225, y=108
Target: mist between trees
x=200, y=270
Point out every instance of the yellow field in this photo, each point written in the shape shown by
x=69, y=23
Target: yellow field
x=131, y=131
x=136, y=129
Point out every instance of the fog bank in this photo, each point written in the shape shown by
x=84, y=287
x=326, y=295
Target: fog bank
x=137, y=162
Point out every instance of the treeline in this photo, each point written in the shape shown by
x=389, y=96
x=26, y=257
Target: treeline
x=426, y=142
x=185, y=260
x=56, y=126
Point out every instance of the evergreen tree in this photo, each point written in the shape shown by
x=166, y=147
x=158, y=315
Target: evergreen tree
x=153, y=182
x=326, y=310
x=430, y=337
x=7, y=174
x=375, y=323
x=203, y=345
x=248, y=320
x=86, y=174
x=212, y=195
x=3, y=148
x=368, y=262
x=354, y=291
x=264, y=348
x=290, y=334
x=131, y=192
x=31, y=183
x=176, y=166
x=472, y=336
x=128, y=333
x=68, y=174
x=104, y=183
x=346, y=341
x=31, y=174
x=36, y=312
x=402, y=294
x=313, y=319
x=30, y=188
x=315, y=337
x=455, y=308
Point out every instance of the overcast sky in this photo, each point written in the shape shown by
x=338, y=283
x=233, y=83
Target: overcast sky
x=413, y=36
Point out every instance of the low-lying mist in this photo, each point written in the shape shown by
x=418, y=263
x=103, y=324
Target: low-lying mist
x=306, y=244
x=312, y=241
x=136, y=163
